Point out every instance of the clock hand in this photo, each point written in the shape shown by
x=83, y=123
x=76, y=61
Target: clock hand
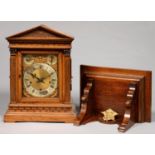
x=34, y=76
x=44, y=78
x=41, y=80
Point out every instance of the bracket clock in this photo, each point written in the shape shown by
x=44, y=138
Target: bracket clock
x=40, y=76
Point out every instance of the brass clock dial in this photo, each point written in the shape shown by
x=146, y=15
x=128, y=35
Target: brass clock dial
x=40, y=77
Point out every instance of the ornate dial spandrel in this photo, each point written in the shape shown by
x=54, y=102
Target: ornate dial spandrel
x=40, y=76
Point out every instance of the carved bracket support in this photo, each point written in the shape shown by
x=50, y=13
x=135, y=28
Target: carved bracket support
x=128, y=118
x=86, y=99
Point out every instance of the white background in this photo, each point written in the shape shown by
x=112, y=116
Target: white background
x=102, y=10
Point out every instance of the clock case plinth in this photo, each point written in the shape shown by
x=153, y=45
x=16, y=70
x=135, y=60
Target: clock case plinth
x=40, y=40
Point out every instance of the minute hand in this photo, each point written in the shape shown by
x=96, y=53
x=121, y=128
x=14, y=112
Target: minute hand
x=34, y=76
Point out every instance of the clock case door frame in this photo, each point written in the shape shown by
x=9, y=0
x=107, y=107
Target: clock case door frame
x=19, y=78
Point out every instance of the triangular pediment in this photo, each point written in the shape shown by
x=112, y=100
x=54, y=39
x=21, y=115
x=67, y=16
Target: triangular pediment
x=40, y=32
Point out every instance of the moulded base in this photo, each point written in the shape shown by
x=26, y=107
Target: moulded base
x=39, y=117
x=40, y=113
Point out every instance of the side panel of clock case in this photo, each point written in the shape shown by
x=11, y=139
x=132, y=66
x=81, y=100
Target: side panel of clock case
x=13, y=66
x=67, y=79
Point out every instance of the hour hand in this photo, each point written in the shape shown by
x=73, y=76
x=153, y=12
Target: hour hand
x=33, y=75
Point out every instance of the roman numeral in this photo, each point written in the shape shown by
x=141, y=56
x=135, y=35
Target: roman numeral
x=51, y=86
x=28, y=85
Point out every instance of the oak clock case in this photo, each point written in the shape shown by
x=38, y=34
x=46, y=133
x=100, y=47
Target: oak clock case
x=40, y=76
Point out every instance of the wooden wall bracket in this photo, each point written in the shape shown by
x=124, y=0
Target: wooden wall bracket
x=86, y=110
x=114, y=96
x=128, y=118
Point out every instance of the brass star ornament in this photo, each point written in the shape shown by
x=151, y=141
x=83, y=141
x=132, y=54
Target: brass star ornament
x=109, y=115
